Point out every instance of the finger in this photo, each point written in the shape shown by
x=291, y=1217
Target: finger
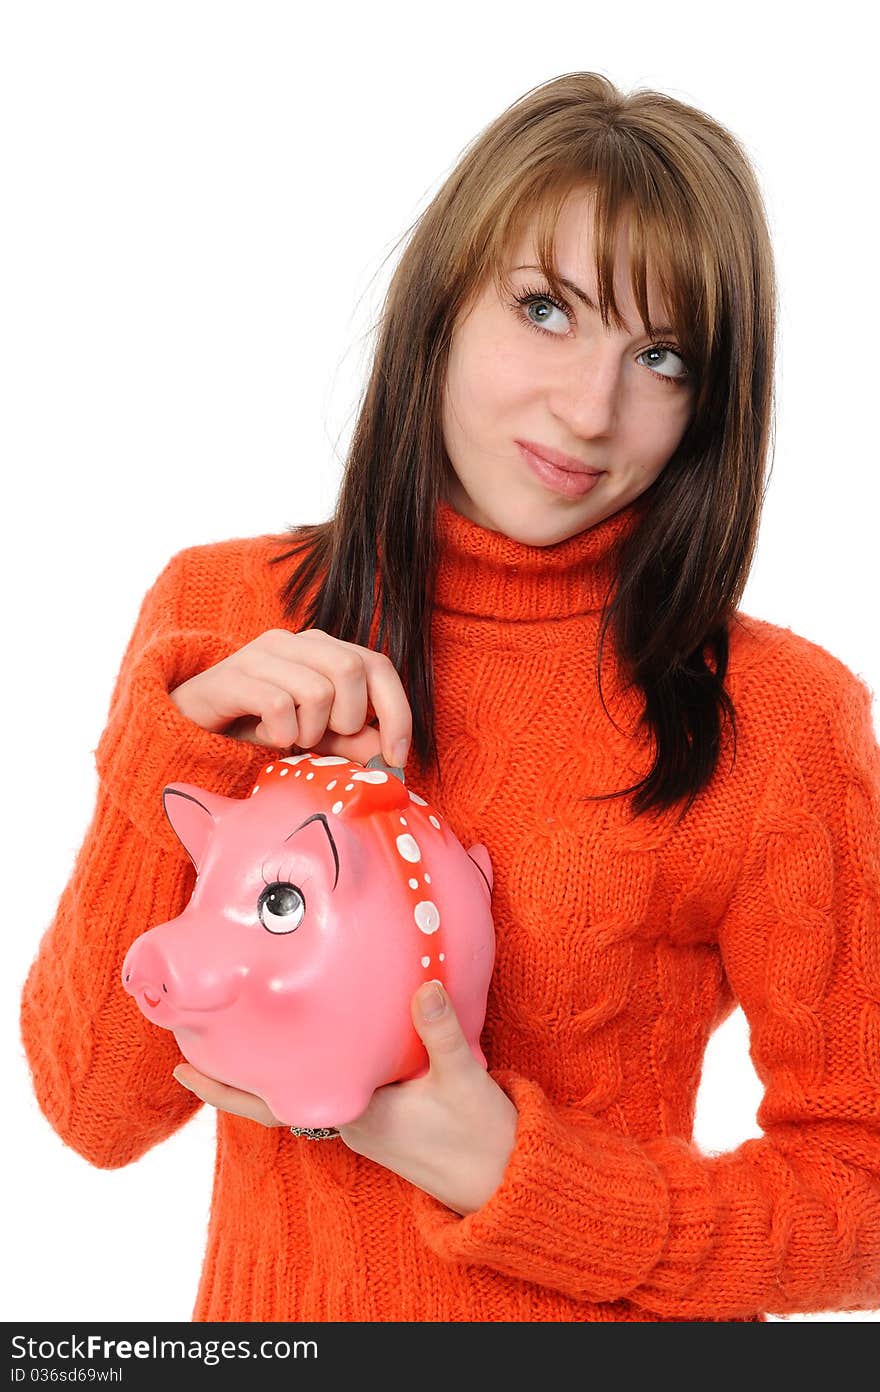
x=442, y=1035
x=226, y=1098
x=328, y=684
x=247, y=690
x=362, y=680
x=295, y=701
x=391, y=706
x=266, y=712
x=296, y=705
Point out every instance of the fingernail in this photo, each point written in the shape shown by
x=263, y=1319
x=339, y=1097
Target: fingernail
x=432, y=1002
x=398, y=753
x=182, y=1081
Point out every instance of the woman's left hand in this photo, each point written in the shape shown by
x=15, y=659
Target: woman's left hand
x=450, y=1132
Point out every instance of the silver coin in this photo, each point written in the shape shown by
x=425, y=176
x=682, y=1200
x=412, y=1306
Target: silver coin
x=377, y=762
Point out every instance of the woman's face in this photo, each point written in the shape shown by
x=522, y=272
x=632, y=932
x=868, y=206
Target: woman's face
x=609, y=398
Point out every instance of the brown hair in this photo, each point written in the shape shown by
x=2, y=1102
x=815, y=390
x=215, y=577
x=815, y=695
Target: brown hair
x=695, y=206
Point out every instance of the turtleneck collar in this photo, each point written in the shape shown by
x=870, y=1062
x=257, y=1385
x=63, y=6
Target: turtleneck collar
x=487, y=575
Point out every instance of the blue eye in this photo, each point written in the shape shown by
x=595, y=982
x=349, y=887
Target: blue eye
x=668, y=348
x=524, y=302
x=521, y=304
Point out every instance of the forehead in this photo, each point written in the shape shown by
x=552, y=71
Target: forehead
x=575, y=250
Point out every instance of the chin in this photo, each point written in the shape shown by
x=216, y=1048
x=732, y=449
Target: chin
x=532, y=531
x=531, y=525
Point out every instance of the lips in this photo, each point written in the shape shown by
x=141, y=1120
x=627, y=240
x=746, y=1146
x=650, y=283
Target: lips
x=150, y=1000
x=559, y=459
x=568, y=482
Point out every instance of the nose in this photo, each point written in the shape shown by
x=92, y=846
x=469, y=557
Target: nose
x=144, y=973
x=168, y=972
x=587, y=399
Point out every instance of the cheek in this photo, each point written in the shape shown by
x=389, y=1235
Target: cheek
x=653, y=428
x=473, y=383
x=493, y=360
x=501, y=377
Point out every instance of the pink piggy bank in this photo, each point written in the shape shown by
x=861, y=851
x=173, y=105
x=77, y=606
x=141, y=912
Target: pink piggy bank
x=322, y=902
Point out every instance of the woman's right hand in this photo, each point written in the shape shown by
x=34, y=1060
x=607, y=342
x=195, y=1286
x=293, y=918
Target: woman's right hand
x=306, y=691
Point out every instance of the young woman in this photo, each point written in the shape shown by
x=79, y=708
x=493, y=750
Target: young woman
x=529, y=584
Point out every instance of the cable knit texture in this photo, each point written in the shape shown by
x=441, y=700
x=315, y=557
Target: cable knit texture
x=621, y=944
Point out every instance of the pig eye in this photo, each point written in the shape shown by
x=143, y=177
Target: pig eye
x=281, y=907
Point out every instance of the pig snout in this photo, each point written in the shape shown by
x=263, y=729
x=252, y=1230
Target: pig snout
x=167, y=982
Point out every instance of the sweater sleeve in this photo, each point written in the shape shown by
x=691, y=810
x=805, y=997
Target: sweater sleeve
x=101, y=1072
x=788, y=1222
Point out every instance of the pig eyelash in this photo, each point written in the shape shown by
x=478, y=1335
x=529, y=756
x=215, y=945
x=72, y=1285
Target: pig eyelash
x=291, y=877
x=277, y=878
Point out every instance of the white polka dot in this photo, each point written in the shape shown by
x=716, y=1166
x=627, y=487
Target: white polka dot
x=331, y=784
x=404, y=822
x=427, y=879
x=255, y=790
x=294, y=758
x=426, y=961
x=442, y=956
x=434, y=823
x=348, y=787
x=308, y=776
x=269, y=768
x=323, y=759
x=371, y=776
x=413, y=884
x=408, y=848
x=427, y=916
x=337, y=807
x=282, y=773
x=414, y=797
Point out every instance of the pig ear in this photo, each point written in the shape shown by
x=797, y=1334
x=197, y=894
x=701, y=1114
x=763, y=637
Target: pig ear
x=193, y=813
x=480, y=856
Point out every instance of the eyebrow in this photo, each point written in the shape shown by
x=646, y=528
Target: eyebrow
x=585, y=299
x=320, y=817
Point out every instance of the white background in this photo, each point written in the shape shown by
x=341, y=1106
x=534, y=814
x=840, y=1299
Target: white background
x=198, y=200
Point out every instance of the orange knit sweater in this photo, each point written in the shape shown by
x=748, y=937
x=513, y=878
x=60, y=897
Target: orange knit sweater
x=621, y=945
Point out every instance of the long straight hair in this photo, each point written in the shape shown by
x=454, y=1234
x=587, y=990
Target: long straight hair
x=697, y=220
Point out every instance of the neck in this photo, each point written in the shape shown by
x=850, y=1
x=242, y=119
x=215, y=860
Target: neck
x=485, y=573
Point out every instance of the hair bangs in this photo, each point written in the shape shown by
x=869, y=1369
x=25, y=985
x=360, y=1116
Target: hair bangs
x=663, y=245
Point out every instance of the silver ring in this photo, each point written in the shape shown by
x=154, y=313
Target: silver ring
x=316, y=1133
